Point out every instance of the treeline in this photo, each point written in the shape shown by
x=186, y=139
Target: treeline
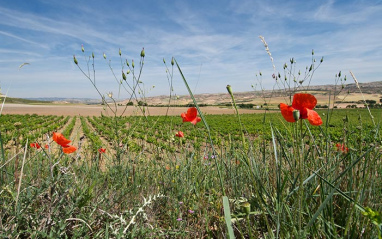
x=141, y=103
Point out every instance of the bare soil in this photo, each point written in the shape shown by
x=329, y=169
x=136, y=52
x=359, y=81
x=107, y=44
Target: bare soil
x=97, y=110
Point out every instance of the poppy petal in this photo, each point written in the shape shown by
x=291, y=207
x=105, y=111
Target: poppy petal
x=301, y=101
x=287, y=112
x=314, y=118
x=69, y=149
x=195, y=120
x=184, y=117
x=60, y=139
x=192, y=112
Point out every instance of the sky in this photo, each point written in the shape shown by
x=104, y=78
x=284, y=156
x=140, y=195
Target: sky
x=215, y=43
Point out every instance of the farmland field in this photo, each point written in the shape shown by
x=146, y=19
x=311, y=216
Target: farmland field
x=149, y=183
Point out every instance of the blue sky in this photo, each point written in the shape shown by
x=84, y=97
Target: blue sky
x=215, y=42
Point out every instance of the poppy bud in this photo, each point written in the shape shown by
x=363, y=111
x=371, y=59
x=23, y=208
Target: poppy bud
x=123, y=76
x=246, y=207
x=82, y=48
x=127, y=63
x=104, y=56
x=93, y=55
x=128, y=72
x=229, y=89
x=312, y=52
x=322, y=59
x=285, y=66
x=75, y=60
x=296, y=115
x=339, y=74
x=311, y=68
x=120, y=53
x=172, y=61
x=164, y=61
x=132, y=63
x=143, y=52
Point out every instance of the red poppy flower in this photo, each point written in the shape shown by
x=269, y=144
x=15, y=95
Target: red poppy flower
x=64, y=142
x=342, y=148
x=179, y=134
x=101, y=150
x=60, y=139
x=191, y=116
x=46, y=146
x=305, y=104
x=35, y=145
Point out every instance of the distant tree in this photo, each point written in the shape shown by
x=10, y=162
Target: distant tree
x=141, y=103
x=371, y=102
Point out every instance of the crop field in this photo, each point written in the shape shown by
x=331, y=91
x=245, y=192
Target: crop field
x=248, y=175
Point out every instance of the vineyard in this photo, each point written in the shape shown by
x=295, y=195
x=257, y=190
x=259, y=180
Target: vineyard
x=153, y=134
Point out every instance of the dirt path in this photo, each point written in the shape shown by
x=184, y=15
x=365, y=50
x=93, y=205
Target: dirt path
x=96, y=110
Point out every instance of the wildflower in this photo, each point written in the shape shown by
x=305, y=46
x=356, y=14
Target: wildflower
x=179, y=219
x=46, y=146
x=305, y=104
x=342, y=148
x=179, y=134
x=191, y=116
x=64, y=142
x=101, y=150
x=180, y=202
x=35, y=145
x=168, y=167
x=190, y=211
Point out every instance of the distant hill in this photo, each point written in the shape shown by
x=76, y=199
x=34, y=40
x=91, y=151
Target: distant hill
x=23, y=101
x=67, y=100
x=371, y=88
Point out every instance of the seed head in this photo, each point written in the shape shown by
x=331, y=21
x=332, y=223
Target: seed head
x=296, y=115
